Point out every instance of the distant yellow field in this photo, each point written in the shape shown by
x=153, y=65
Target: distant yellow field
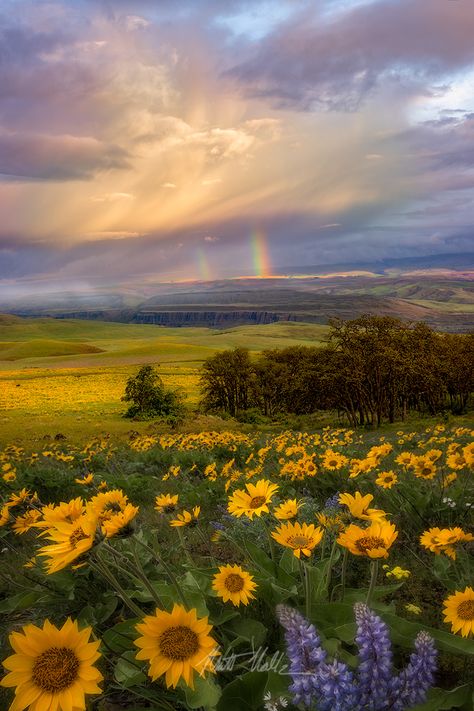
x=49, y=392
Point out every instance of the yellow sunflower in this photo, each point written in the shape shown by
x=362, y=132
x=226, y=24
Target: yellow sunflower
x=424, y=468
x=301, y=538
x=166, y=503
x=459, y=611
x=373, y=542
x=108, y=503
x=186, y=518
x=456, y=460
x=69, y=542
x=65, y=511
x=120, y=522
x=4, y=515
x=386, y=479
x=22, y=497
x=177, y=644
x=442, y=540
x=113, y=511
x=85, y=480
x=335, y=522
x=287, y=510
x=333, y=461
x=404, y=459
x=26, y=522
x=52, y=669
x=468, y=454
x=254, y=501
x=358, y=505
x=234, y=584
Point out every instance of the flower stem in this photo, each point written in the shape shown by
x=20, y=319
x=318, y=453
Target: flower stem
x=106, y=573
x=172, y=577
x=183, y=545
x=270, y=539
x=344, y=573
x=306, y=587
x=330, y=565
x=374, y=569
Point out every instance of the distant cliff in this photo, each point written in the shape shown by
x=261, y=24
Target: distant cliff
x=213, y=319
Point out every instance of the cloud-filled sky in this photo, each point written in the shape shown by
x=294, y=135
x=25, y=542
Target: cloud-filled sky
x=143, y=138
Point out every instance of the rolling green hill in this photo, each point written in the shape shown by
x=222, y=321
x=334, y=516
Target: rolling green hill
x=75, y=343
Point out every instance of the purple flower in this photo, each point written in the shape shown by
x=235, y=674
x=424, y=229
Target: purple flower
x=411, y=686
x=331, y=686
x=374, y=673
x=335, y=687
x=333, y=502
x=304, y=651
x=218, y=526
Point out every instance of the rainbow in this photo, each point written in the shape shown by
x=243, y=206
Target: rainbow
x=260, y=253
x=203, y=265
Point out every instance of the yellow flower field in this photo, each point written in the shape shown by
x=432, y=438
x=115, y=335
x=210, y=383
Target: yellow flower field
x=56, y=391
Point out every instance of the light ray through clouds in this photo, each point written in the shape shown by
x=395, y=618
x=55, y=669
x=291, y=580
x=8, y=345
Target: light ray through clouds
x=131, y=129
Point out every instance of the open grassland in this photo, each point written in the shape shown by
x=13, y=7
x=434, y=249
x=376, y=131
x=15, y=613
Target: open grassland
x=68, y=376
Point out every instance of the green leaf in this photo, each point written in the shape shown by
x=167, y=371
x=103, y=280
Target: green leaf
x=460, y=698
x=404, y=632
x=249, y=630
x=260, y=558
x=128, y=671
x=244, y=693
x=21, y=601
x=199, y=581
x=120, y=637
x=289, y=562
x=205, y=694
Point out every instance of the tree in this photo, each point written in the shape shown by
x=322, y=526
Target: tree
x=150, y=399
x=226, y=381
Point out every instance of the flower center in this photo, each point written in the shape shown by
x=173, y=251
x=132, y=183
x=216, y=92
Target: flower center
x=56, y=669
x=368, y=543
x=178, y=643
x=466, y=610
x=112, y=506
x=234, y=582
x=257, y=501
x=332, y=463
x=299, y=541
x=426, y=471
x=76, y=536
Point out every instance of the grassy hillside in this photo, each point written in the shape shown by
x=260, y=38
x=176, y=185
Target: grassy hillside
x=68, y=376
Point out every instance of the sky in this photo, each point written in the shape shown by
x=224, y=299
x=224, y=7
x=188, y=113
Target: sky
x=200, y=139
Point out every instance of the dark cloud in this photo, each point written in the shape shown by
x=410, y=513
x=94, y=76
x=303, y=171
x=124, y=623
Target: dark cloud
x=39, y=157
x=335, y=62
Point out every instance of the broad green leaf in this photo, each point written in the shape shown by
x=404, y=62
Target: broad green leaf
x=205, y=694
x=128, y=671
x=460, y=698
x=244, y=693
x=21, y=601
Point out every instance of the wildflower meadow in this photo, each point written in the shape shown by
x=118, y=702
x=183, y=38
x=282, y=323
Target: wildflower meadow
x=228, y=570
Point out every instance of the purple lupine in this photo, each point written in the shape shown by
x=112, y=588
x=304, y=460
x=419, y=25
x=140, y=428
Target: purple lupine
x=304, y=651
x=335, y=687
x=411, y=686
x=333, y=502
x=218, y=525
x=374, y=674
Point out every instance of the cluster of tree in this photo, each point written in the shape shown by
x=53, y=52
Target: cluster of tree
x=150, y=399
x=372, y=368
